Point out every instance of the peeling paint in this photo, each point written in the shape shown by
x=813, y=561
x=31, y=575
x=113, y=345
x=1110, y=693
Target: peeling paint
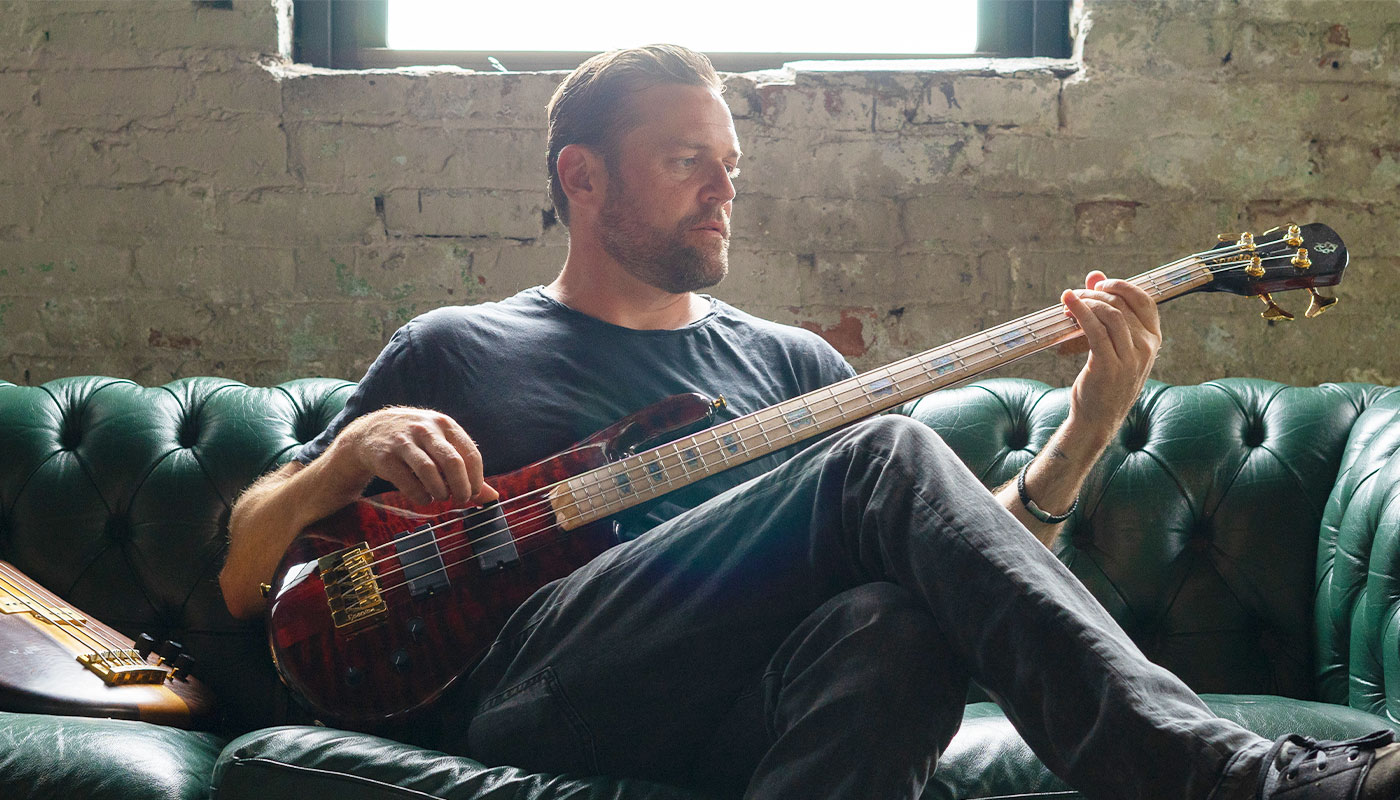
x=847, y=335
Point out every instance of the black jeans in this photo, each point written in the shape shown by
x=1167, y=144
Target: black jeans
x=811, y=633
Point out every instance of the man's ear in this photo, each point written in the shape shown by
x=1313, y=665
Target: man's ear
x=582, y=176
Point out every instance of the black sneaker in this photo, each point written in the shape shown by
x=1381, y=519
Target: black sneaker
x=1299, y=768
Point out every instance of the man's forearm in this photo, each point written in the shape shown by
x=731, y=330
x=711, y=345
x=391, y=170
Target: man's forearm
x=265, y=520
x=1055, y=476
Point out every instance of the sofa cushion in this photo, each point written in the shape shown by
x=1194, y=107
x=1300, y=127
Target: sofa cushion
x=296, y=763
x=45, y=757
x=987, y=758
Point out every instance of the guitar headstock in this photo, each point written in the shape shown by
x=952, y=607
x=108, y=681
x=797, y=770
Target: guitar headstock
x=1279, y=260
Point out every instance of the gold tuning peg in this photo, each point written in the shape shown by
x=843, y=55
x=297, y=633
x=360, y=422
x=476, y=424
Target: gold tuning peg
x=1295, y=236
x=1318, y=304
x=1255, y=268
x=1272, y=312
x=1301, y=260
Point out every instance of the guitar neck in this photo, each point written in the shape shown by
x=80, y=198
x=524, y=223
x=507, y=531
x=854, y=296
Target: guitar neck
x=615, y=487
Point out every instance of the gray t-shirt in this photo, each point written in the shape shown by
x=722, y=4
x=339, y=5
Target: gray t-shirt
x=528, y=376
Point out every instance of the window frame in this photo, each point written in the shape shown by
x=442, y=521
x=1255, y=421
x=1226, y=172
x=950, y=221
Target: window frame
x=351, y=34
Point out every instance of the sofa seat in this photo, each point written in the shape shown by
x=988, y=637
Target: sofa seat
x=296, y=762
x=47, y=757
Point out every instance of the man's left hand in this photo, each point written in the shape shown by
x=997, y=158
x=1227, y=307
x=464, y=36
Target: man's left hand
x=1123, y=331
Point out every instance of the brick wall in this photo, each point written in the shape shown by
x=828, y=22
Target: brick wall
x=175, y=201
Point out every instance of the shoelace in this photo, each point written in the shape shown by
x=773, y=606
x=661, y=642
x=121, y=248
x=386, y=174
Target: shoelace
x=1318, y=750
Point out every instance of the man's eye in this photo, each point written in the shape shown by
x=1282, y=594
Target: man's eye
x=688, y=162
x=733, y=172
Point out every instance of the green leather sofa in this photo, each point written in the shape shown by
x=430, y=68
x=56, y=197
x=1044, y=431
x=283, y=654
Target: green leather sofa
x=1243, y=532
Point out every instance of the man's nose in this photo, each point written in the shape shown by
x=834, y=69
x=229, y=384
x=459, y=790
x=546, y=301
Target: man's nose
x=719, y=188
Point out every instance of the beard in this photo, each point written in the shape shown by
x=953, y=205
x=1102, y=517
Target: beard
x=662, y=258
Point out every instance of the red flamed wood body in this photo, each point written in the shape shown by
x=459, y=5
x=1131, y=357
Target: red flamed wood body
x=400, y=660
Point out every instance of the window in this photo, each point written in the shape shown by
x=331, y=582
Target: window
x=551, y=34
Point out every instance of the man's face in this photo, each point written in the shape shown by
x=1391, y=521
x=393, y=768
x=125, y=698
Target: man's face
x=671, y=191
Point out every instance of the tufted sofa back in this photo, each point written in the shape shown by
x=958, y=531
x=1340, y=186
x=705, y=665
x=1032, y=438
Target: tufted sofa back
x=116, y=497
x=1199, y=529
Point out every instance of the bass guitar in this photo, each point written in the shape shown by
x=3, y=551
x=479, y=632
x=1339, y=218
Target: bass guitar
x=54, y=659
x=377, y=609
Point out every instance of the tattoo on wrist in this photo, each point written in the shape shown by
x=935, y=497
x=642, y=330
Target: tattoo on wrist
x=1056, y=452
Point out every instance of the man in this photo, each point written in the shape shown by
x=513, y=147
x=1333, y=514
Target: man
x=810, y=634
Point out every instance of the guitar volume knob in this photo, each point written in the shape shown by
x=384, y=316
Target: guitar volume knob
x=401, y=660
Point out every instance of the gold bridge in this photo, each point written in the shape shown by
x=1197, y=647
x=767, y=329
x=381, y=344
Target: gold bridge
x=352, y=590
x=123, y=667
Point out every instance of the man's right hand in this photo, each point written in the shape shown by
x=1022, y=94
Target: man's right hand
x=424, y=454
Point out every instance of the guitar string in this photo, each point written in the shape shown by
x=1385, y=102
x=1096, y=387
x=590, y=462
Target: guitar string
x=22, y=595
x=1022, y=326
x=29, y=587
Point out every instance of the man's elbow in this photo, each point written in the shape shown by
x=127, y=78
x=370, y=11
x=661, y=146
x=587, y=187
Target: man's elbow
x=243, y=602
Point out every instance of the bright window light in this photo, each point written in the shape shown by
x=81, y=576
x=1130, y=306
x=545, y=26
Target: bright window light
x=813, y=26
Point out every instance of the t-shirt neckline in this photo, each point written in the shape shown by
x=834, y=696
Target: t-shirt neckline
x=542, y=296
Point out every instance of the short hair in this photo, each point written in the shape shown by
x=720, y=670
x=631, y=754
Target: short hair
x=592, y=106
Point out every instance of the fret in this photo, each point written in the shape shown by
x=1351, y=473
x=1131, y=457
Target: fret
x=762, y=419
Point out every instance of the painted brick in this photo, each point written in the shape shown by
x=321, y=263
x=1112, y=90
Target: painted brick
x=510, y=268
x=43, y=269
x=250, y=89
x=937, y=222
x=19, y=212
x=404, y=276
x=108, y=34
x=216, y=274
x=485, y=99
x=253, y=154
x=507, y=214
x=124, y=216
x=112, y=96
x=464, y=98
x=801, y=225
x=18, y=93
x=774, y=275
x=421, y=157
x=1029, y=101
x=294, y=217
x=859, y=167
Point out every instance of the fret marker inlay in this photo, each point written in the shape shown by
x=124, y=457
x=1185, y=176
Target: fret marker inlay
x=880, y=387
x=799, y=418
